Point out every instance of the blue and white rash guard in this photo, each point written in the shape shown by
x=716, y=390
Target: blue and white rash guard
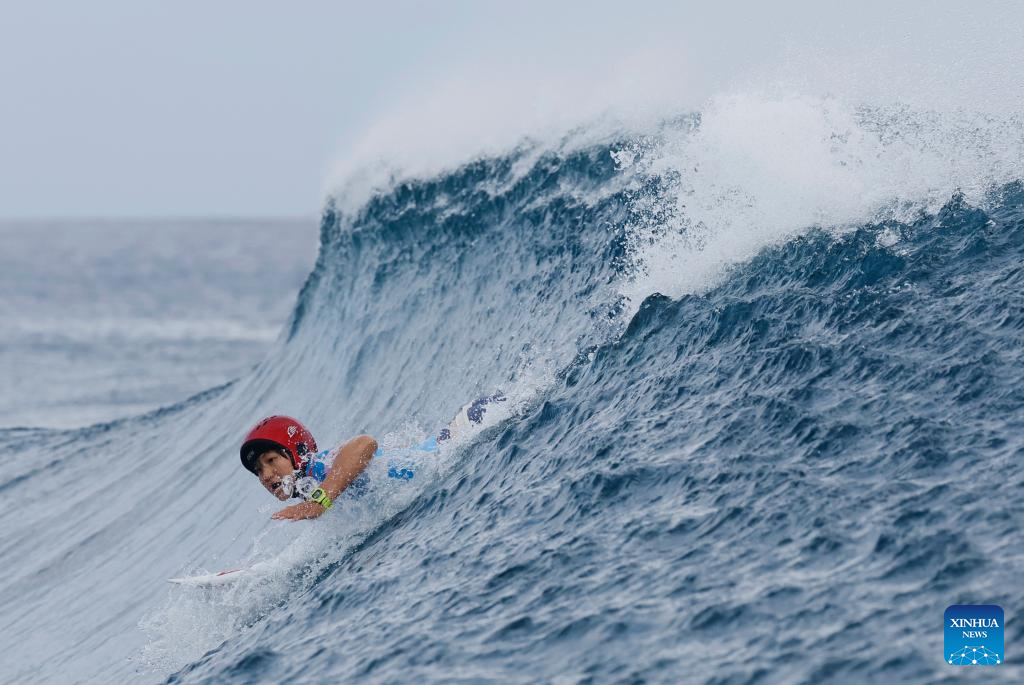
x=401, y=462
x=399, y=467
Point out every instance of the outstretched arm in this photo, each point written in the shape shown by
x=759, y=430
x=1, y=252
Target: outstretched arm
x=349, y=461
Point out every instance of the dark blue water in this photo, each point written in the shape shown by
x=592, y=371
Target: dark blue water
x=784, y=474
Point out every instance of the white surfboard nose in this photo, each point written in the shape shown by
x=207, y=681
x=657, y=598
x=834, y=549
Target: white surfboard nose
x=210, y=580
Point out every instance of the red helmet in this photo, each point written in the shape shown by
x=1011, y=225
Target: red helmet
x=281, y=433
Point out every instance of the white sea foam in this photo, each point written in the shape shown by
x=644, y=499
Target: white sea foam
x=763, y=166
x=926, y=57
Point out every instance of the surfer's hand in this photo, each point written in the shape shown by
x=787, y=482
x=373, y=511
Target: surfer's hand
x=297, y=512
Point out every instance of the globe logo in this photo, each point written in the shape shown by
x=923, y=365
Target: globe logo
x=972, y=656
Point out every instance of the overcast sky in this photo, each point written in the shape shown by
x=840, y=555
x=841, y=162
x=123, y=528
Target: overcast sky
x=138, y=108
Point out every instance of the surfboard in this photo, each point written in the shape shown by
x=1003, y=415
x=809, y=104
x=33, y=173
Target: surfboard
x=212, y=579
x=257, y=570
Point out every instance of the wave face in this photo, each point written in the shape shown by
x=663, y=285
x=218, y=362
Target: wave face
x=763, y=425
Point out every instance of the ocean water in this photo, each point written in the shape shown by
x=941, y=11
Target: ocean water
x=105, y=319
x=764, y=367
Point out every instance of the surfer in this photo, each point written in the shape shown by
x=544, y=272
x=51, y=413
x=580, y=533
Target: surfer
x=283, y=454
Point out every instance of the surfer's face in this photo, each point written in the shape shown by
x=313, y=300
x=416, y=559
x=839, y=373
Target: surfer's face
x=276, y=473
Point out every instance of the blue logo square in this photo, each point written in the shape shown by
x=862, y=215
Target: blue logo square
x=974, y=635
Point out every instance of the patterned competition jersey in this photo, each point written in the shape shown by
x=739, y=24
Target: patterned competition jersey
x=401, y=463
x=399, y=468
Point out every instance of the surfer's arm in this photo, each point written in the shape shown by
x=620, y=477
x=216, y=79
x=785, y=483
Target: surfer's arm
x=349, y=461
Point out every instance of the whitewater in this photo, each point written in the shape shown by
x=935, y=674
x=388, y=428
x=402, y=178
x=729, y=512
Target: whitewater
x=764, y=368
